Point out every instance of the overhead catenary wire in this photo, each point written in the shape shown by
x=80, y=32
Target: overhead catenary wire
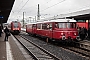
x=53, y=5
x=23, y=6
x=18, y=5
x=44, y=9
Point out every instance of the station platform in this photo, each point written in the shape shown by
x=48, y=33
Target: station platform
x=9, y=50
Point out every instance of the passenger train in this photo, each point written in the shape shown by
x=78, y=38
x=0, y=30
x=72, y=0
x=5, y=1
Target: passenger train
x=14, y=27
x=57, y=30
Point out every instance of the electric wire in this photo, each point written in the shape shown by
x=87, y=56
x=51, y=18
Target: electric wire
x=45, y=8
x=54, y=5
x=23, y=6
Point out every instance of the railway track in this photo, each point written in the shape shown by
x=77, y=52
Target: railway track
x=77, y=49
x=37, y=52
x=80, y=51
x=57, y=50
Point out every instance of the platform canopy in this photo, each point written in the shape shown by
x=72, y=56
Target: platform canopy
x=5, y=9
x=78, y=15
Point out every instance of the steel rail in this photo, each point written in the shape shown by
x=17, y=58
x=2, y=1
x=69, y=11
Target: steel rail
x=36, y=58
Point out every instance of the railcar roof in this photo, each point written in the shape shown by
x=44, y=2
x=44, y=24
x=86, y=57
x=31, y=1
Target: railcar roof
x=58, y=20
x=14, y=21
x=31, y=23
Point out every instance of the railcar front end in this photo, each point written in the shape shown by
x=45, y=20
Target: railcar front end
x=65, y=31
x=15, y=27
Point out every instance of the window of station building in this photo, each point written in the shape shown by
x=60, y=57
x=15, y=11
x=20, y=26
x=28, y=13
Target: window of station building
x=81, y=20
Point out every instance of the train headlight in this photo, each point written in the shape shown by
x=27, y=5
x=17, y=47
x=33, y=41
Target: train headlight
x=75, y=34
x=61, y=33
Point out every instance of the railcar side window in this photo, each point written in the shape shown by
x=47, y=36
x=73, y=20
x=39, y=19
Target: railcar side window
x=44, y=26
x=30, y=26
x=56, y=25
x=34, y=25
x=50, y=26
x=38, y=26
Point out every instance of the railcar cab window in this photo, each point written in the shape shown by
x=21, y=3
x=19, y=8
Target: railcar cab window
x=15, y=25
x=73, y=25
x=65, y=25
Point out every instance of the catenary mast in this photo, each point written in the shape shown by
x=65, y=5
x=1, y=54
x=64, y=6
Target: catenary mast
x=38, y=13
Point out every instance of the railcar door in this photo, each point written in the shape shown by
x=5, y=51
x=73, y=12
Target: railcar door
x=49, y=28
x=34, y=29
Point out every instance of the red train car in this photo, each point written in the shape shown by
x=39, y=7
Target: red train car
x=82, y=24
x=58, y=30
x=15, y=27
x=31, y=28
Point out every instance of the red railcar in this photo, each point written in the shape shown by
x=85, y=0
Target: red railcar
x=31, y=28
x=58, y=30
x=15, y=27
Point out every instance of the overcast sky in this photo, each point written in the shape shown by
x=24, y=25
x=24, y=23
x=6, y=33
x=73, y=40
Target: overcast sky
x=48, y=8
